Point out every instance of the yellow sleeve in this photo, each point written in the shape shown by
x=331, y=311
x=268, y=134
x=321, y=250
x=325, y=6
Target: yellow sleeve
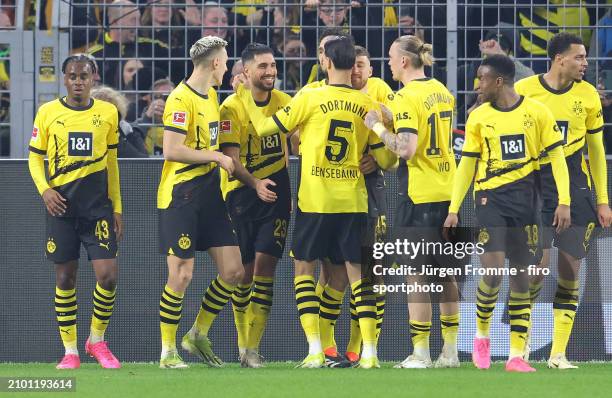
x=38, y=150
x=112, y=166
x=384, y=94
x=385, y=158
x=177, y=115
x=405, y=115
x=231, y=125
x=560, y=174
x=467, y=166
x=598, y=166
x=284, y=120
x=461, y=183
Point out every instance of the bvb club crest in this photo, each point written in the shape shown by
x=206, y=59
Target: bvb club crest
x=184, y=242
x=577, y=108
x=96, y=121
x=51, y=246
x=528, y=121
x=483, y=236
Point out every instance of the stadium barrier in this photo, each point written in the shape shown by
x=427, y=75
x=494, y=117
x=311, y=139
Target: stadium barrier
x=29, y=331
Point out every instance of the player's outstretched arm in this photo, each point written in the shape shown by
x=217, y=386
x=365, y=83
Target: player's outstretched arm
x=263, y=125
x=175, y=150
x=248, y=179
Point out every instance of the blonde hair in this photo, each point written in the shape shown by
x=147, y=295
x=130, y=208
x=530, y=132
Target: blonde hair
x=205, y=47
x=419, y=52
x=108, y=94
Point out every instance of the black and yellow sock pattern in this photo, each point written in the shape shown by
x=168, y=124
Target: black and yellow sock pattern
x=365, y=303
x=329, y=310
x=534, y=291
x=354, y=344
x=66, y=313
x=450, y=327
x=419, y=334
x=380, y=312
x=103, y=303
x=519, y=309
x=319, y=288
x=170, y=309
x=215, y=298
x=259, y=309
x=307, y=305
x=486, y=298
x=564, y=312
x=240, y=304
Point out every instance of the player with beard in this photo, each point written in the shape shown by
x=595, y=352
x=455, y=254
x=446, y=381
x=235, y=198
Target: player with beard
x=257, y=196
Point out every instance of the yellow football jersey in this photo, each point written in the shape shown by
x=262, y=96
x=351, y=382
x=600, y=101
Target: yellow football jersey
x=333, y=139
x=425, y=107
x=508, y=142
x=197, y=117
x=261, y=156
x=80, y=144
x=379, y=90
x=577, y=109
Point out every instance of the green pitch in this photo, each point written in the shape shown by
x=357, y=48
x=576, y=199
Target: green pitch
x=281, y=380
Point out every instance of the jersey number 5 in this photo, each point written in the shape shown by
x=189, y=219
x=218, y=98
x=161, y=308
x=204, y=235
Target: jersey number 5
x=337, y=148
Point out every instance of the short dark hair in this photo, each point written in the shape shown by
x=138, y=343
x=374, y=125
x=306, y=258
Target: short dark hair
x=502, y=65
x=362, y=52
x=561, y=42
x=80, y=58
x=341, y=51
x=335, y=31
x=253, y=49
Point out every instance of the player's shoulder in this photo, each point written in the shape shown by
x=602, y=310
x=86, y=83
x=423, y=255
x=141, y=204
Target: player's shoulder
x=533, y=104
x=49, y=106
x=528, y=83
x=379, y=83
x=281, y=96
x=232, y=101
x=104, y=106
x=585, y=89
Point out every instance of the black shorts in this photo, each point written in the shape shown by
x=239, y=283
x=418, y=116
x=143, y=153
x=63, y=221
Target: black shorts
x=334, y=236
x=197, y=224
x=266, y=236
x=66, y=234
x=577, y=239
x=509, y=221
x=422, y=222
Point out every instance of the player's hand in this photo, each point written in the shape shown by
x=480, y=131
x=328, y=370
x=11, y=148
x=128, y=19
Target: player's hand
x=191, y=14
x=387, y=116
x=562, y=219
x=367, y=164
x=237, y=80
x=55, y=203
x=452, y=220
x=604, y=215
x=226, y=163
x=380, y=231
x=118, y=226
x=261, y=186
x=372, y=118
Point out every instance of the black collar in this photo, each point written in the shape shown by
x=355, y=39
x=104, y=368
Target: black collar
x=510, y=109
x=552, y=90
x=77, y=108
x=205, y=96
x=341, y=85
x=264, y=102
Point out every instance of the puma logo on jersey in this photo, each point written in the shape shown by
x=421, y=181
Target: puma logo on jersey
x=60, y=122
x=200, y=114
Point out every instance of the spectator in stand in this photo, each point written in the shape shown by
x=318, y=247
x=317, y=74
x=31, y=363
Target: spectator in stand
x=121, y=42
x=293, y=68
x=150, y=124
x=163, y=22
x=139, y=90
x=131, y=145
x=498, y=40
x=128, y=69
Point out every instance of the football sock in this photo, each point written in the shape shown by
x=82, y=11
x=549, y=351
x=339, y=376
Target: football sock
x=419, y=333
x=486, y=297
x=565, y=305
x=519, y=309
x=365, y=303
x=240, y=304
x=308, y=310
x=66, y=313
x=170, y=309
x=380, y=313
x=354, y=344
x=215, y=298
x=103, y=303
x=450, y=327
x=329, y=310
x=259, y=309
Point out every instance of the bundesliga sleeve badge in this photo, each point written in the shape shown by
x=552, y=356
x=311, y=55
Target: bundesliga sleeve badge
x=226, y=126
x=179, y=119
x=34, y=133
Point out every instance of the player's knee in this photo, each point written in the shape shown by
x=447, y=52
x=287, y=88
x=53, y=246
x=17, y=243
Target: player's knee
x=108, y=281
x=233, y=275
x=184, y=276
x=66, y=280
